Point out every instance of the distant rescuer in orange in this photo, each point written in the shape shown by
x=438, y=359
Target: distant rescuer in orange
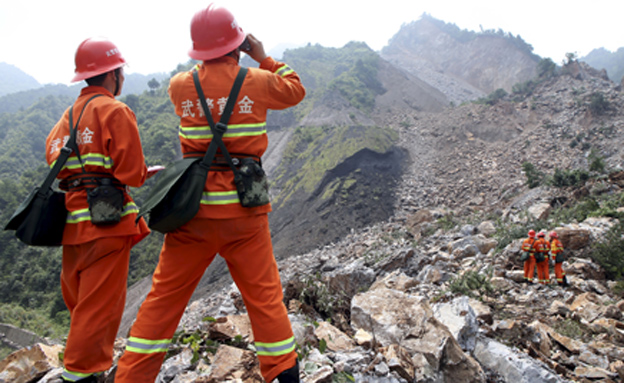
x=528, y=250
x=542, y=247
x=239, y=234
x=100, y=229
x=556, y=251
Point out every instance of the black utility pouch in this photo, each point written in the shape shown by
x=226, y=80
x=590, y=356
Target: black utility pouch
x=253, y=186
x=105, y=203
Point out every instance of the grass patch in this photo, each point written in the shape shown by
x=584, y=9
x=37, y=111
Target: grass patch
x=609, y=253
x=315, y=150
x=35, y=320
x=571, y=329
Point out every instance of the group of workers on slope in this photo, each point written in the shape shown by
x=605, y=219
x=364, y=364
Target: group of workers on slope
x=96, y=258
x=536, y=253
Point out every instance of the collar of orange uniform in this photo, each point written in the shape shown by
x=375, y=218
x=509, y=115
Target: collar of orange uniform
x=94, y=90
x=222, y=60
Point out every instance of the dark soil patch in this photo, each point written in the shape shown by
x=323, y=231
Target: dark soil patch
x=358, y=192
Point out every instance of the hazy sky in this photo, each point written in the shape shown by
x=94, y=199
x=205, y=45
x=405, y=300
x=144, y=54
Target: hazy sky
x=41, y=36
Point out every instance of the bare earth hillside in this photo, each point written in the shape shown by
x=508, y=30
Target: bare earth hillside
x=462, y=65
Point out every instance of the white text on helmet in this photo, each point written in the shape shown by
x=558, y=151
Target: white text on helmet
x=112, y=52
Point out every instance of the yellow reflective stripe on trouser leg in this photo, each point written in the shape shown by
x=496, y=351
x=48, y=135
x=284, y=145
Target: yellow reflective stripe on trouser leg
x=146, y=346
x=73, y=376
x=274, y=349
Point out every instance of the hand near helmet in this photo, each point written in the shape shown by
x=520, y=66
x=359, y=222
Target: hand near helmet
x=254, y=48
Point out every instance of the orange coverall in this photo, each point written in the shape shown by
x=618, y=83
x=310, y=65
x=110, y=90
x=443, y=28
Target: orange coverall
x=240, y=235
x=543, y=274
x=95, y=258
x=556, y=247
x=529, y=263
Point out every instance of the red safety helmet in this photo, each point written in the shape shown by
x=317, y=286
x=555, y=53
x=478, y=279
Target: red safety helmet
x=553, y=234
x=541, y=234
x=532, y=233
x=214, y=33
x=96, y=56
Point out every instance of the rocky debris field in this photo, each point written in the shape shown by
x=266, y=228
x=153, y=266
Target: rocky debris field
x=470, y=157
x=381, y=307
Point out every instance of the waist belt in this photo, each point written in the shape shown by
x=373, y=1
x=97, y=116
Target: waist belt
x=87, y=181
x=220, y=162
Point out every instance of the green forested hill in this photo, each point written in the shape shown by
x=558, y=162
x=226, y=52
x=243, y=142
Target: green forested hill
x=22, y=135
x=351, y=70
x=29, y=288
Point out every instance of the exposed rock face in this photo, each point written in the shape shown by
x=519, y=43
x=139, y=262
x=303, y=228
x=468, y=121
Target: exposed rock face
x=407, y=91
x=334, y=110
x=15, y=337
x=462, y=69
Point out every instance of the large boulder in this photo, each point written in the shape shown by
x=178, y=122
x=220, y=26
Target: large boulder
x=511, y=365
x=460, y=319
x=574, y=237
x=397, y=318
x=540, y=211
x=29, y=364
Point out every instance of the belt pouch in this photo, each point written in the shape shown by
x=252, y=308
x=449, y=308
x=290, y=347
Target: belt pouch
x=252, y=185
x=105, y=203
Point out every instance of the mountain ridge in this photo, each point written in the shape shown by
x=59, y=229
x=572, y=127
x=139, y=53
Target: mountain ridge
x=13, y=79
x=20, y=99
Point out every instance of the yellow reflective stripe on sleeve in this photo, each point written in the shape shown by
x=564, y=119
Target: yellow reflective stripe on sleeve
x=84, y=215
x=146, y=346
x=284, y=70
x=278, y=348
x=239, y=130
x=220, y=198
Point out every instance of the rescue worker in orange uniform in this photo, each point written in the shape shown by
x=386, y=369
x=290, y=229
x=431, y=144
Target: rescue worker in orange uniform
x=556, y=251
x=238, y=234
x=542, y=247
x=95, y=258
x=528, y=247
